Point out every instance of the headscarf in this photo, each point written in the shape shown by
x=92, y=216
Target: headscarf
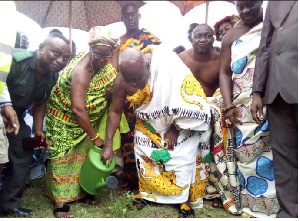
x=233, y=19
x=99, y=35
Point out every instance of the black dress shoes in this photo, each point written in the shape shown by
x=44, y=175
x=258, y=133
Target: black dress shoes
x=19, y=211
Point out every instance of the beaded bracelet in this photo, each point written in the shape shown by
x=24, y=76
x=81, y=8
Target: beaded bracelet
x=92, y=139
x=5, y=104
x=228, y=108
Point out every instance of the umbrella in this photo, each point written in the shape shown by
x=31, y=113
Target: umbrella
x=73, y=14
x=186, y=6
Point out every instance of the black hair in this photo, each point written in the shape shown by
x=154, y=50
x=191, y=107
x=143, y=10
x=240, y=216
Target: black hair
x=179, y=49
x=127, y=5
x=58, y=34
x=190, y=31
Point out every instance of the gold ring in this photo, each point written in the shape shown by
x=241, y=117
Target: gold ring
x=228, y=121
x=166, y=141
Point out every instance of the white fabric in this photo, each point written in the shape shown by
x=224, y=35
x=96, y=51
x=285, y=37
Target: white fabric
x=183, y=171
x=5, y=96
x=167, y=75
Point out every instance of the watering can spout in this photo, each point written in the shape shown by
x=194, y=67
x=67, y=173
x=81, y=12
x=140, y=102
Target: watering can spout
x=101, y=184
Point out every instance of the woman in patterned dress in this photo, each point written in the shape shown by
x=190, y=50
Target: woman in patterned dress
x=77, y=105
x=253, y=150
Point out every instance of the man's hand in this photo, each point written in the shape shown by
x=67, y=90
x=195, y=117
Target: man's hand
x=10, y=119
x=232, y=117
x=171, y=137
x=42, y=137
x=257, y=108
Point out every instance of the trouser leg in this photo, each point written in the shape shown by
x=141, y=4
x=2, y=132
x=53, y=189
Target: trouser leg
x=18, y=168
x=283, y=121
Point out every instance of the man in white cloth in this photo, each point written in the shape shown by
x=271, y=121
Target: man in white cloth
x=172, y=116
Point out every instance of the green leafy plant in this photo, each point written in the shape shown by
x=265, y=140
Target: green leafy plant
x=122, y=205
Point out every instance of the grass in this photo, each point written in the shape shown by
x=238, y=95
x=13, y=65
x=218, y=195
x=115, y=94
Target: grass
x=36, y=200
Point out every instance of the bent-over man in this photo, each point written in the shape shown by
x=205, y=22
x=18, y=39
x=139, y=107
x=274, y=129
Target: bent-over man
x=172, y=116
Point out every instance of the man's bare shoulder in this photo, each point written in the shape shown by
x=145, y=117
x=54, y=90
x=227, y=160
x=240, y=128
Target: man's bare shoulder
x=186, y=54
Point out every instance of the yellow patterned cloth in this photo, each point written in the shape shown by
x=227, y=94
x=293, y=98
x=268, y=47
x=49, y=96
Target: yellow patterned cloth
x=172, y=95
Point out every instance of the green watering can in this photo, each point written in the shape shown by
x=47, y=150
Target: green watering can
x=93, y=174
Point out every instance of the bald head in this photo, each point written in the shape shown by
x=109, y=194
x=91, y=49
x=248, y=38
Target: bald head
x=204, y=27
x=133, y=68
x=131, y=60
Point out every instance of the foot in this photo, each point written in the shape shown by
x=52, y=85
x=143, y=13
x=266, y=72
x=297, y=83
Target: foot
x=90, y=200
x=246, y=215
x=217, y=203
x=186, y=211
x=62, y=210
x=124, y=188
x=19, y=211
x=29, y=186
x=138, y=202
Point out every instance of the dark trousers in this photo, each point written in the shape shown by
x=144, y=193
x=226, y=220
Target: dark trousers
x=18, y=168
x=283, y=121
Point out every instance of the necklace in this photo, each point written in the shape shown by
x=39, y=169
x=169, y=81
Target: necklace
x=92, y=68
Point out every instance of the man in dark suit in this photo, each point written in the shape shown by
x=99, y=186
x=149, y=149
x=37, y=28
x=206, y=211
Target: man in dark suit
x=276, y=80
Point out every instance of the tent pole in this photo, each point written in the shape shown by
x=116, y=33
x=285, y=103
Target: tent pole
x=206, y=15
x=70, y=24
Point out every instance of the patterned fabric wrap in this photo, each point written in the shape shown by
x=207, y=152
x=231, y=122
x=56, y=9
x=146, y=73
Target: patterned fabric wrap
x=102, y=36
x=165, y=176
x=253, y=151
x=223, y=180
x=141, y=40
x=62, y=130
x=62, y=180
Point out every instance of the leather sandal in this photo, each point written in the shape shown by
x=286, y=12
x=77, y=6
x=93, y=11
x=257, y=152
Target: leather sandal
x=64, y=209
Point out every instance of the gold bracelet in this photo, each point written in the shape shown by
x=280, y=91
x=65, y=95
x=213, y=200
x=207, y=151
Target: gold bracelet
x=92, y=139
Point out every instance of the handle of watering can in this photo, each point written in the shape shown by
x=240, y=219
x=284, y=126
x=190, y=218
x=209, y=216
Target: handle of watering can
x=101, y=147
x=106, y=164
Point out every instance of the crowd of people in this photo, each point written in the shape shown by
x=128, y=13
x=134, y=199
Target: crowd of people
x=183, y=125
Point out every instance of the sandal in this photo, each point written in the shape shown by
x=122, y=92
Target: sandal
x=246, y=215
x=186, y=212
x=138, y=202
x=64, y=209
x=90, y=200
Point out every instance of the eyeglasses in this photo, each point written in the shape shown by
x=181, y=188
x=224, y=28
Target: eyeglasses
x=132, y=14
x=99, y=56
